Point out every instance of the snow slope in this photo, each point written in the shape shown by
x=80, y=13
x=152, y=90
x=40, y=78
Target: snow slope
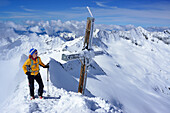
x=132, y=76
x=60, y=100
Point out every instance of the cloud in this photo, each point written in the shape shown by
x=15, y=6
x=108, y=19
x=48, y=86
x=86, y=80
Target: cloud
x=123, y=16
x=102, y=4
x=19, y=15
x=161, y=5
x=26, y=9
x=157, y=14
x=103, y=15
x=72, y=14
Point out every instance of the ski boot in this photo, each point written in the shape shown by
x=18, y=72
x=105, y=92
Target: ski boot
x=32, y=97
x=41, y=97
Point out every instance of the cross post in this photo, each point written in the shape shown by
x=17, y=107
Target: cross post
x=87, y=50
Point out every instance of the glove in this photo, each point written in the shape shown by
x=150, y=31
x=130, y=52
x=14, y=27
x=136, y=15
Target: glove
x=47, y=66
x=28, y=73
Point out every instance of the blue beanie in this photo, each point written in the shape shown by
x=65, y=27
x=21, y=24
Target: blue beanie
x=32, y=51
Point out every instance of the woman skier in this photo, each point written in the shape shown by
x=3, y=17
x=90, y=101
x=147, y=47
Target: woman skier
x=31, y=68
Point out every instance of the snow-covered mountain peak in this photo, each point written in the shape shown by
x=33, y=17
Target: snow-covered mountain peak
x=167, y=31
x=141, y=29
x=132, y=71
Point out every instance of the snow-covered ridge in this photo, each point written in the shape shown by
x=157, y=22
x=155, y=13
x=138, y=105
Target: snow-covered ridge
x=136, y=35
x=63, y=95
x=132, y=76
x=13, y=36
x=60, y=101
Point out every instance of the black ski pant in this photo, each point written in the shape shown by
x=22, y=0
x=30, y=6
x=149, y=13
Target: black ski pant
x=31, y=84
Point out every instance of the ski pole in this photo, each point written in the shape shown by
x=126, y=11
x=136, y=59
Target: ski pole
x=48, y=82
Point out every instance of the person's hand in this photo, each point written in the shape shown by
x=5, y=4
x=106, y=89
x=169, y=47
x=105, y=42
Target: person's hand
x=47, y=66
x=28, y=73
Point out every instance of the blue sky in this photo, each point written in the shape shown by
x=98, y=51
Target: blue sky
x=117, y=12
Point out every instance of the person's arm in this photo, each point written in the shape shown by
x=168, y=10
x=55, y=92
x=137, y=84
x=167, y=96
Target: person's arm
x=42, y=64
x=27, y=63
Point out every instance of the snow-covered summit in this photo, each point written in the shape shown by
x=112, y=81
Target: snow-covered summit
x=132, y=76
x=60, y=100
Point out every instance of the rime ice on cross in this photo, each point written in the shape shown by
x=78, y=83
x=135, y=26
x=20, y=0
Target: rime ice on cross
x=86, y=55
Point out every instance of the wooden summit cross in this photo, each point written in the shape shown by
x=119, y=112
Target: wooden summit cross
x=87, y=49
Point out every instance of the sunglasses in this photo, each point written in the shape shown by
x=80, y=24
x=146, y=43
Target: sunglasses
x=36, y=53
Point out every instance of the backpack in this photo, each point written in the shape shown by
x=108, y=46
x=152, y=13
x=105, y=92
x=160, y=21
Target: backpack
x=32, y=63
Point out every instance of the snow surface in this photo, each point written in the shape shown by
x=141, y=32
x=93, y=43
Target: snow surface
x=132, y=75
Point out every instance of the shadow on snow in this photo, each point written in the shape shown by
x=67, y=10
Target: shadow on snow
x=63, y=79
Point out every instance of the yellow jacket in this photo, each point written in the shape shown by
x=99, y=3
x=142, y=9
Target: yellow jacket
x=32, y=66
